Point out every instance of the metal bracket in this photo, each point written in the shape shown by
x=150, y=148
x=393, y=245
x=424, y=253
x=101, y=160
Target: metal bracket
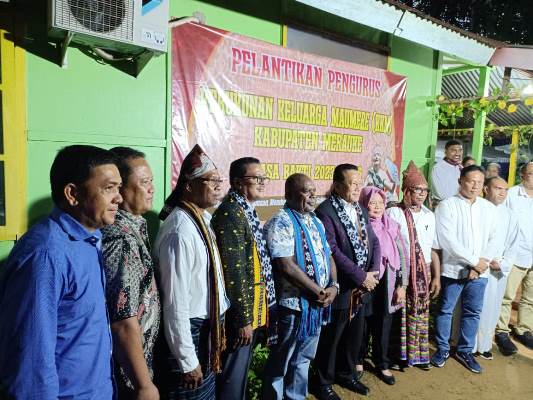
x=64, y=46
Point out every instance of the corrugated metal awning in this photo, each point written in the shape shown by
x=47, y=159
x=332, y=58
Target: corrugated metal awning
x=404, y=22
x=465, y=84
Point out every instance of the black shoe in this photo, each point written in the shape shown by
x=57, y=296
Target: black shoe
x=389, y=380
x=396, y=367
x=355, y=386
x=505, y=345
x=487, y=355
x=526, y=339
x=424, y=367
x=326, y=392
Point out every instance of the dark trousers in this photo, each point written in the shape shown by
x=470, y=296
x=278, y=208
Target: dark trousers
x=338, y=347
x=169, y=376
x=379, y=321
x=231, y=383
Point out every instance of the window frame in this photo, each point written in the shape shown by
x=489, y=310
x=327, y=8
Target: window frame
x=13, y=89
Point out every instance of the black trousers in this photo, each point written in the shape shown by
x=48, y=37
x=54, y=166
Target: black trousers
x=338, y=347
x=379, y=322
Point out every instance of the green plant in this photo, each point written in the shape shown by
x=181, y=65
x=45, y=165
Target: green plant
x=256, y=371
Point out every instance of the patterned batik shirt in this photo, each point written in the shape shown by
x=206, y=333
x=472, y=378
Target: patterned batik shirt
x=131, y=289
x=279, y=232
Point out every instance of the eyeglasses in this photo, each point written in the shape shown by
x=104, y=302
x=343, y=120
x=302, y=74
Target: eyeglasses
x=419, y=190
x=258, y=180
x=213, y=182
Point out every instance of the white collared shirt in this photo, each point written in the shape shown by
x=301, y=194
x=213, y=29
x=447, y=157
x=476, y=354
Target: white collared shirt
x=425, y=228
x=444, y=180
x=508, y=235
x=466, y=232
x=351, y=211
x=522, y=206
x=182, y=263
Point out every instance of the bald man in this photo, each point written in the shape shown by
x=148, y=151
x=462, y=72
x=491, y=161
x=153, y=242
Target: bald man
x=495, y=190
x=520, y=201
x=306, y=276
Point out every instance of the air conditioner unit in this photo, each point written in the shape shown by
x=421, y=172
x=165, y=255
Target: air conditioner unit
x=124, y=26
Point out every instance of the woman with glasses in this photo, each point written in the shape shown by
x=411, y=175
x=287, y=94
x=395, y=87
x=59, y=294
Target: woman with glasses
x=417, y=226
x=389, y=294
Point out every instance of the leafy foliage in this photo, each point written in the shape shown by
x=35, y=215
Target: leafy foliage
x=256, y=371
x=508, y=21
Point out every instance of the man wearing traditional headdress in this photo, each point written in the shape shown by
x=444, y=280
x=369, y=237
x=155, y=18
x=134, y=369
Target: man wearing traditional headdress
x=417, y=226
x=247, y=272
x=191, y=281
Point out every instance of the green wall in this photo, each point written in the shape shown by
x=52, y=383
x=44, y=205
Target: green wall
x=89, y=102
x=421, y=66
x=93, y=103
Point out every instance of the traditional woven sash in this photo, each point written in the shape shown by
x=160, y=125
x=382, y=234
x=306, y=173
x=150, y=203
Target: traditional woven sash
x=313, y=316
x=358, y=240
x=418, y=289
x=266, y=264
x=217, y=337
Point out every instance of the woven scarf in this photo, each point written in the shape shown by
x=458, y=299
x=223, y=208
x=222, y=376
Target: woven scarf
x=358, y=239
x=266, y=264
x=313, y=316
x=417, y=291
x=217, y=337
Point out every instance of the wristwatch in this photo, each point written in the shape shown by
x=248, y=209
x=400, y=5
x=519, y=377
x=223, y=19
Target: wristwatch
x=336, y=285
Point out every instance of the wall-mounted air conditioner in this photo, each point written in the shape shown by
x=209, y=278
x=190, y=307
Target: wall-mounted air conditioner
x=124, y=26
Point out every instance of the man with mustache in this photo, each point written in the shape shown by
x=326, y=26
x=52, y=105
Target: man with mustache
x=55, y=340
x=356, y=252
x=191, y=281
x=132, y=296
x=307, y=282
x=247, y=272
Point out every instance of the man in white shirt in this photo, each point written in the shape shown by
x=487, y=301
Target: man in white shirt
x=445, y=173
x=499, y=267
x=191, y=281
x=520, y=201
x=466, y=233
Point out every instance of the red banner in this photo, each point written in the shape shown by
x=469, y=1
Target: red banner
x=296, y=112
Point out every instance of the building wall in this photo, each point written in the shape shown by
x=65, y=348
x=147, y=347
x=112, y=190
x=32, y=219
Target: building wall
x=422, y=66
x=89, y=102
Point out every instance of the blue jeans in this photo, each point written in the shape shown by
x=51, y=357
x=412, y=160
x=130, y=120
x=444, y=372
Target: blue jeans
x=287, y=367
x=471, y=292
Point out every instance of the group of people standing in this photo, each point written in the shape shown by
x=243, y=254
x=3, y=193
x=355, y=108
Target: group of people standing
x=89, y=309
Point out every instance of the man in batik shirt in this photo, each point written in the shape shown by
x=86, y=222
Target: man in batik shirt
x=132, y=296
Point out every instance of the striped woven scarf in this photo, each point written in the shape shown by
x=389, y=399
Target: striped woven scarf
x=217, y=337
x=418, y=289
x=313, y=316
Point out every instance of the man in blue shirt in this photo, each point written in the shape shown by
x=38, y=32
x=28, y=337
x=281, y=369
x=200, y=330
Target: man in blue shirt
x=54, y=328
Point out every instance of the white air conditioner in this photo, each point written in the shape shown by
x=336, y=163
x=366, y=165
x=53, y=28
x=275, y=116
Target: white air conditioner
x=124, y=26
